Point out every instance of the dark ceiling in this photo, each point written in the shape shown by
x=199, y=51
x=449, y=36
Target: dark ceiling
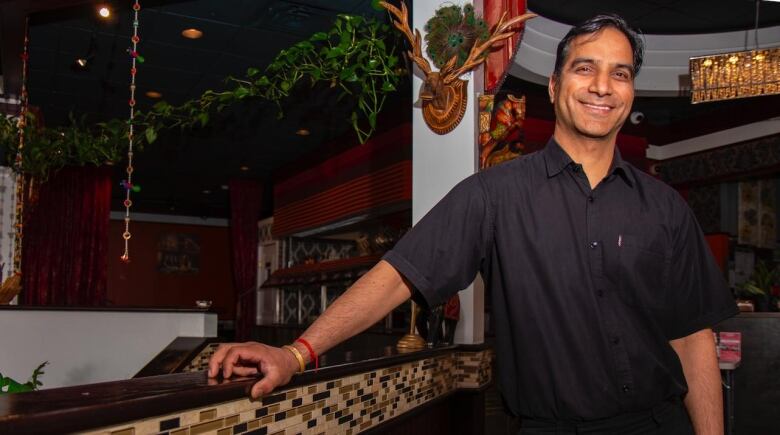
x=176, y=171
x=669, y=17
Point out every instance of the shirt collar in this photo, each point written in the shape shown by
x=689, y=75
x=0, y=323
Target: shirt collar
x=556, y=160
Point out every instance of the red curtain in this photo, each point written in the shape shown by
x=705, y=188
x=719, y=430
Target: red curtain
x=65, y=245
x=245, y=202
x=497, y=64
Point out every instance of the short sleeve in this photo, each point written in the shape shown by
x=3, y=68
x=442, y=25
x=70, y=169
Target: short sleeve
x=702, y=297
x=442, y=254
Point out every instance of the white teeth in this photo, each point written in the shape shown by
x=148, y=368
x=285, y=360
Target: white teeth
x=597, y=107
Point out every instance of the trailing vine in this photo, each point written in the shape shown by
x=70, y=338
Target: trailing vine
x=352, y=56
x=356, y=57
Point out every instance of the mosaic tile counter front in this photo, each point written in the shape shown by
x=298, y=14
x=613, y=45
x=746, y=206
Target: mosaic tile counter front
x=347, y=405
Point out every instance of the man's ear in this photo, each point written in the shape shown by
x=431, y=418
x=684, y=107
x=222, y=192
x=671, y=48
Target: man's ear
x=552, y=87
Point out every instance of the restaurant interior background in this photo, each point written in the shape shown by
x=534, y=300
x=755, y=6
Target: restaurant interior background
x=268, y=218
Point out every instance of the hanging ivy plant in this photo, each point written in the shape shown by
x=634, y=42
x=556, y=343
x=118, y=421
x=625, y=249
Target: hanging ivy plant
x=49, y=149
x=353, y=57
x=356, y=57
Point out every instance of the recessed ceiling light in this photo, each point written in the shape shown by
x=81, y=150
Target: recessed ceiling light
x=80, y=64
x=206, y=191
x=303, y=132
x=104, y=12
x=192, y=33
x=153, y=94
x=224, y=187
x=244, y=168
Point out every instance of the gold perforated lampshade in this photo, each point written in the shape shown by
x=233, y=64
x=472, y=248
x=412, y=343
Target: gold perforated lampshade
x=735, y=75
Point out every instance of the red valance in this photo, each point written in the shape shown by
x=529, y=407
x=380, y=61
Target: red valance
x=369, y=179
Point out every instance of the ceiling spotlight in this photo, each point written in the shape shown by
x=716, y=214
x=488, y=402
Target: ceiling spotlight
x=224, y=187
x=81, y=62
x=206, y=191
x=153, y=94
x=244, y=168
x=104, y=12
x=192, y=33
x=303, y=132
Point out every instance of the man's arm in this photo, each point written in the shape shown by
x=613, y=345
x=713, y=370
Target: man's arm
x=367, y=301
x=705, y=395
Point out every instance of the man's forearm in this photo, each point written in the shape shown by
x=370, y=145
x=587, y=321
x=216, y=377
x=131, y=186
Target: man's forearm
x=367, y=301
x=705, y=395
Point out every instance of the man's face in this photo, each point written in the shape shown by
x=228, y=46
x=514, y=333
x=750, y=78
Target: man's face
x=595, y=90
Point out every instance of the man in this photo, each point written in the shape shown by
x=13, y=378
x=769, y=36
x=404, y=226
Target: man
x=602, y=285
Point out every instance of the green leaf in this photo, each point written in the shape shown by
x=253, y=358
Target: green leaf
x=348, y=75
x=388, y=87
x=203, y=117
x=262, y=81
x=372, y=120
x=251, y=72
x=319, y=36
x=151, y=135
x=335, y=52
x=285, y=86
x=241, y=92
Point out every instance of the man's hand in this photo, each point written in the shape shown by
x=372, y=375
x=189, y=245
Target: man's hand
x=246, y=359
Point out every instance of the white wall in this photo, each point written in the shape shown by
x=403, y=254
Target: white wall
x=439, y=162
x=84, y=347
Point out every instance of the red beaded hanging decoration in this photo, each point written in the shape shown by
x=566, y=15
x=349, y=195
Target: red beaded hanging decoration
x=129, y=182
x=21, y=125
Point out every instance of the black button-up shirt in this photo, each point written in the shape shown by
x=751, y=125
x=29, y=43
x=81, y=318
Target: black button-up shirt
x=587, y=285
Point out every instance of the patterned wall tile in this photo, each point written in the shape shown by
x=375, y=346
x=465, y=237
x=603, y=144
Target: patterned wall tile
x=351, y=404
x=201, y=361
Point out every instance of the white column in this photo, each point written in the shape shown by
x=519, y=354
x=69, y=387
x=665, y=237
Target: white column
x=439, y=163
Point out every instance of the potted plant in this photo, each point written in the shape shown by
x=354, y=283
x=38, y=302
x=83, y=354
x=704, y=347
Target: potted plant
x=759, y=287
x=9, y=385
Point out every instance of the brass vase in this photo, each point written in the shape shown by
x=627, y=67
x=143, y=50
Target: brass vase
x=411, y=341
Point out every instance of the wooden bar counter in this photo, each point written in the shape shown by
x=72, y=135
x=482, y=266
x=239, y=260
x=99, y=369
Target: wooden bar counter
x=430, y=391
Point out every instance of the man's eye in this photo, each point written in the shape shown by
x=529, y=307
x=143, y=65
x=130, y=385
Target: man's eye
x=584, y=68
x=622, y=75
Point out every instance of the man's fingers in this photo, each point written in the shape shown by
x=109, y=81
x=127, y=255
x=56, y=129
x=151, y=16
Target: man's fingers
x=242, y=356
x=244, y=371
x=216, y=359
x=263, y=387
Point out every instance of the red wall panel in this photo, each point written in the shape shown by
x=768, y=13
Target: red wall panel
x=139, y=284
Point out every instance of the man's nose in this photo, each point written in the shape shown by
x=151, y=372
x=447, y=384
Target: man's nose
x=601, y=84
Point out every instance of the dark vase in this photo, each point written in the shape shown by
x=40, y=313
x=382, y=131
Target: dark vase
x=762, y=303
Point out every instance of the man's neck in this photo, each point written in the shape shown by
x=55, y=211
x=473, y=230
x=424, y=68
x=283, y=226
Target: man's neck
x=595, y=155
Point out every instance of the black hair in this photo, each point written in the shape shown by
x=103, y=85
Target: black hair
x=596, y=24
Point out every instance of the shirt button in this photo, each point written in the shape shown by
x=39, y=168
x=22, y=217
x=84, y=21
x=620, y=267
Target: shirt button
x=626, y=388
x=615, y=340
x=600, y=293
x=594, y=245
x=590, y=199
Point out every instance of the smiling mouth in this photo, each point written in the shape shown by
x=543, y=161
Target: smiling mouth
x=598, y=108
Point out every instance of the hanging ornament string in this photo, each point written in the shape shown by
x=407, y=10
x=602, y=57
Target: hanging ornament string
x=128, y=183
x=21, y=126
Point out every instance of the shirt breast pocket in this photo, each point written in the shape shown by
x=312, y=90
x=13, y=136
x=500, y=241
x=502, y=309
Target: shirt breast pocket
x=644, y=272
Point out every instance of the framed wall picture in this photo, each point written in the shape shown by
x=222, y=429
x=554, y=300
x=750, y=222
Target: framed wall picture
x=178, y=253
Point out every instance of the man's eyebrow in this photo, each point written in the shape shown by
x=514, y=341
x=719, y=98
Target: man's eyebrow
x=581, y=60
